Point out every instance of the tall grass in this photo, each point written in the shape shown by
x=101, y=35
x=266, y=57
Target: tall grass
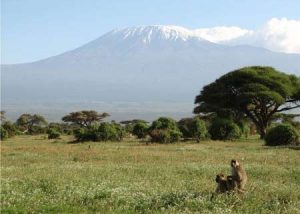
x=54, y=176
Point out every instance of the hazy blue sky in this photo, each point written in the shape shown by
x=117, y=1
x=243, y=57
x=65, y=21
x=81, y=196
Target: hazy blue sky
x=35, y=29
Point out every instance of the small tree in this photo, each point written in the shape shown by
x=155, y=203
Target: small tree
x=10, y=128
x=31, y=123
x=53, y=133
x=100, y=132
x=129, y=124
x=85, y=118
x=164, y=130
x=193, y=128
x=224, y=129
x=108, y=132
x=140, y=130
x=198, y=129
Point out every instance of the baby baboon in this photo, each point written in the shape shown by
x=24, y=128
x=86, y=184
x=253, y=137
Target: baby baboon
x=239, y=175
x=225, y=183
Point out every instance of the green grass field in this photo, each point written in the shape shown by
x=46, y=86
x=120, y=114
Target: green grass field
x=48, y=176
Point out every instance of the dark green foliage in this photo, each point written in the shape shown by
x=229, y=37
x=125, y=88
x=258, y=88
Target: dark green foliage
x=129, y=125
x=193, y=128
x=3, y=133
x=64, y=128
x=53, y=133
x=165, y=135
x=102, y=132
x=81, y=135
x=121, y=132
x=164, y=130
x=85, y=118
x=34, y=130
x=10, y=128
x=258, y=92
x=164, y=123
x=140, y=130
x=109, y=132
x=224, y=129
x=31, y=124
x=283, y=134
x=198, y=129
x=245, y=128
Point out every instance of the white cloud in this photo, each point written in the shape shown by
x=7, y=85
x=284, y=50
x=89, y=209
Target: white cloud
x=282, y=35
x=222, y=34
x=277, y=34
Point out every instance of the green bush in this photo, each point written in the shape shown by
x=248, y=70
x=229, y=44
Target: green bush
x=3, y=133
x=108, y=132
x=63, y=128
x=53, y=134
x=10, y=128
x=140, y=130
x=103, y=132
x=80, y=134
x=34, y=130
x=283, y=134
x=224, y=129
x=193, y=128
x=165, y=136
x=164, y=130
x=121, y=132
x=245, y=128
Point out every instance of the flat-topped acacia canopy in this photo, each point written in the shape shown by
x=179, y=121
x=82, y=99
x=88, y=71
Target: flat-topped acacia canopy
x=258, y=92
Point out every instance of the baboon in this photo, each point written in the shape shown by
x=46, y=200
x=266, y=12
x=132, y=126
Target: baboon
x=238, y=175
x=225, y=183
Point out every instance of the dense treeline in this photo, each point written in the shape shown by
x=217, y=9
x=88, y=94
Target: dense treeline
x=89, y=126
x=246, y=101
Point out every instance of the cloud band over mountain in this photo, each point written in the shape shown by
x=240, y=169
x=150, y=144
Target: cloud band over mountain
x=277, y=34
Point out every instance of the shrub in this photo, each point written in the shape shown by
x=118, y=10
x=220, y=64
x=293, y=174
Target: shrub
x=193, y=128
x=224, y=129
x=283, y=134
x=164, y=123
x=81, y=135
x=165, y=136
x=140, y=130
x=198, y=129
x=3, y=133
x=10, y=128
x=121, y=132
x=245, y=128
x=164, y=130
x=107, y=132
x=64, y=128
x=103, y=132
x=53, y=134
x=34, y=130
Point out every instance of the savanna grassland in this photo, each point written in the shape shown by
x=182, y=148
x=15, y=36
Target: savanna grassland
x=54, y=176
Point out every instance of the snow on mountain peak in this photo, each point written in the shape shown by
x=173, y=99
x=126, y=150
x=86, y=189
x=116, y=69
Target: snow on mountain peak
x=152, y=32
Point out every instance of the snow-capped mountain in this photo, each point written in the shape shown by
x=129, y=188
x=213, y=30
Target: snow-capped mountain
x=146, y=63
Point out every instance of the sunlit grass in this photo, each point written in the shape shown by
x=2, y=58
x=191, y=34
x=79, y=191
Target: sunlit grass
x=55, y=176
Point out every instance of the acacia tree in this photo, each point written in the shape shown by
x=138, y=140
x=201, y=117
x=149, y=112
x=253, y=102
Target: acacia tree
x=257, y=92
x=28, y=122
x=85, y=118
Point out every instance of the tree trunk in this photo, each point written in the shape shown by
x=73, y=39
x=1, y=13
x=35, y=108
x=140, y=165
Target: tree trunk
x=262, y=130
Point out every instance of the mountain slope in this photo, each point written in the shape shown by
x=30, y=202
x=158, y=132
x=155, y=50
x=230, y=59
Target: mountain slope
x=149, y=63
